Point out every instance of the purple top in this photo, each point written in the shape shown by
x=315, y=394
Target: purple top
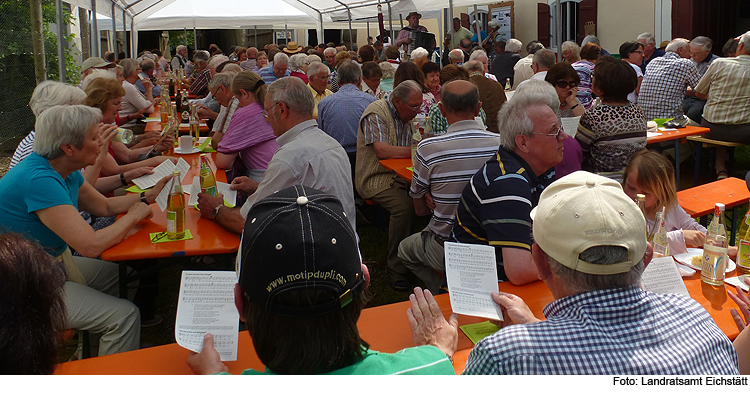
x=250, y=134
x=572, y=158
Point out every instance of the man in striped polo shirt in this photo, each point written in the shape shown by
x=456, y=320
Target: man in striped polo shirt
x=495, y=205
x=444, y=165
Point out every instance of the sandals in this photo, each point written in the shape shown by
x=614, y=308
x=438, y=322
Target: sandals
x=722, y=175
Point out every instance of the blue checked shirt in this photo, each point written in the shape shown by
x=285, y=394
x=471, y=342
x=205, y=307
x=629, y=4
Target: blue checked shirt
x=664, y=84
x=616, y=331
x=339, y=114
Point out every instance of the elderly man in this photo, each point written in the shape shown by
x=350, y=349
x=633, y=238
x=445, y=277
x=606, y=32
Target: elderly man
x=495, y=205
x=92, y=63
x=508, y=54
x=666, y=80
x=221, y=90
x=199, y=86
x=179, y=61
x=456, y=56
x=700, y=54
x=650, y=52
x=523, y=69
x=726, y=87
x=147, y=67
x=330, y=58
x=444, y=165
x=341, y=122
x=491, y=93
x=371, y=76
x=279, y=68
x=379, y=51
x=403, y=39
x=481, y=56
x=601, y=321
x=384, y=132
x=306, y=156
x=542, y=61
x=250, y=62
x=318, y=75
x=459, y=32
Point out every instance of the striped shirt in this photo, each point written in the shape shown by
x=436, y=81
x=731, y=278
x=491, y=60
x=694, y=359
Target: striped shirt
x=728, y=80
x=375, y=128
x=23, y=150
x=266, y=74
x=625, y=331
x=445, y=164
x=664, y=84
x=495, y=205
x=440, y=123
x=225, y=116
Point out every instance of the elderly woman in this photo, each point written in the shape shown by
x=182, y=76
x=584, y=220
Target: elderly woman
x=613, y=131
x=134, y=104
x=249, y=135
x=585, y=69
x=42, y=197
x=447, y=74
x=298, y=65
x=570, y=52
x=565, y=80
x=341, y=57
x=409, y=71
x=431, y=73
x=261, y=60
x=419, y=57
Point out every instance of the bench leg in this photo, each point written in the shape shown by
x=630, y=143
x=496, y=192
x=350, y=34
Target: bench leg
x=734, y=226
x=697, y=163
x=677, y=161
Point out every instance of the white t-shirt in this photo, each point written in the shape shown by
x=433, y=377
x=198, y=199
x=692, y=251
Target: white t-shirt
x=633, y=97
x=133, y=101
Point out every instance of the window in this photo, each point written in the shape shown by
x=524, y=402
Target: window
x=569, y=19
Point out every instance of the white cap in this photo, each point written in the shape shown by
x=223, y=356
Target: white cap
x=583, y=210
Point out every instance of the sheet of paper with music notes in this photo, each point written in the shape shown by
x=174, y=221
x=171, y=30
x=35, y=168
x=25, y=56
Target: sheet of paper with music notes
x=206, y=305
x=471, y=273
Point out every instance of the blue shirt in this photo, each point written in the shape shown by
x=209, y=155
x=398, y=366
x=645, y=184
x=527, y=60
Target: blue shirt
x=624, y=331
x=482, y=34
x=266, y=74
x=155, y=89
x=339, y=114
x=34, y=185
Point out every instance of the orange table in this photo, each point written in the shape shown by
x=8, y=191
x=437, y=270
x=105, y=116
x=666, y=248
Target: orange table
x=385, y=328
x=208, y=236
x=699, y=201
x=678, y=136
x=400, y=166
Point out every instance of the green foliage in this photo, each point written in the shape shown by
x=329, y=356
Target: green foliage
x=177, y=38
x=72, y=70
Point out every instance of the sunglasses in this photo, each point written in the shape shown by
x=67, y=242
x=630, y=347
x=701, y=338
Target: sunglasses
x=566, y=84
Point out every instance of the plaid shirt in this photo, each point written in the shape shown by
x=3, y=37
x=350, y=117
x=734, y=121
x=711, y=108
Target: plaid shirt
x=615, y=331
x=440, y=123
x=664, y=84
x=199, y=87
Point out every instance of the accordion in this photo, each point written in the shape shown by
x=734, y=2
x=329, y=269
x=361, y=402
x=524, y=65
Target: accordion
x=420, y=39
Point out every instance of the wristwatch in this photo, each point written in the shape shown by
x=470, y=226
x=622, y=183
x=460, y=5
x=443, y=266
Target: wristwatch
x=215, y=211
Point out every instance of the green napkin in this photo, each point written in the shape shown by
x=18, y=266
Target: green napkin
x=134, y=189
x=478, y=331
x=206, y=146
x=410, y=169
x=159, y=237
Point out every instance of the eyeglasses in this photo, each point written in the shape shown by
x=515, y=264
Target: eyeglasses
x=266, y=110
x=566, y=84
x=556, y=134
x=413, y=107
x=641, y=52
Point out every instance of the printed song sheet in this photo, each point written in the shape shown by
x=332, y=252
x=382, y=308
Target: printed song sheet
x=738, y=281
x=230, y=196
x=662, y=276
x=164, y=169
x=570, y=125
x=206, y=305
x=471, y=272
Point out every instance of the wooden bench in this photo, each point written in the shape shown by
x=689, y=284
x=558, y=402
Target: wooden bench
x=699, y=201
x=709, y=143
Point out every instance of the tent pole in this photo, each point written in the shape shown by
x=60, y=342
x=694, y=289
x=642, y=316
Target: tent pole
x=195, y=39
x=450, y=22
x=351, y=37
x=133, y=37
x=474, y=25
x=368, y=30
x=321, y=33
x=95, y=35
x=125, y=31
x=558, y=30
x=114, y=32
x=60, y=48
x=255, y=30
x=185, y=35
x=390, y=23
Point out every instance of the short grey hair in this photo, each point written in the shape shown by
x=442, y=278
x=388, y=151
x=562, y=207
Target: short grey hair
x=456, y=55
x=513, y=119
x=703, y=41
x=648, y=36
x=179, y=48
x=316, y=68
x=223, y=78
x=232, y=68
x=281, y=58
x=313, y=58
x=571, y=46
x=590, y=38
x=474, y=66
x=147, y=64
x=329, y=49
x=52, y=93
x=201, y=56
x=216, y=60
x=348, y=73
x=677, y=44
x=97, y=73
x=388, y=70
x=479, y=54
x=405, y=89
x=513, y=45
x=294, y=93
x=419, y=52
x=544, y=58
x=63, y=124
x=745, y=40
x=577, y=282
x=296, y=61
x=128, y=67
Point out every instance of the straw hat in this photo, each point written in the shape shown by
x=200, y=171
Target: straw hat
x=292, y=47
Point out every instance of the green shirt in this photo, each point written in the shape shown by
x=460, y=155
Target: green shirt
x=440, y=123
x=422, y=360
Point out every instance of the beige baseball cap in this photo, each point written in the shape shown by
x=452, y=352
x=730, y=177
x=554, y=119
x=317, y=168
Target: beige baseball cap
x=582, y=210
x=96, y=63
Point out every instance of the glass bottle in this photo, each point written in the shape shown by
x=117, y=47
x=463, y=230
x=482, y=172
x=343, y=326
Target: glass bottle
x=195, y=129
x=660, y=242
x=172, y=92
x=743, y=254
x=185, y=110
x=507, y=84
x=176, y=209
x=715, y=249
x=641, y=202
x=208, y=181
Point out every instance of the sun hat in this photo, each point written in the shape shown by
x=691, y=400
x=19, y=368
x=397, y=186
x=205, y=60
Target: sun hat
x=412, y=14
x=292, y=47
x=96, y=63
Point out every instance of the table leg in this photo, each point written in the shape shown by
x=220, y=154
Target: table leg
x=677, y=161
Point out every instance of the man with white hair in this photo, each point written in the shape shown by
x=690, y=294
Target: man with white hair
x=199, y=85
x=590, y=251
x=523, y=70
x=666, y=80
x=456, y=56
x=701, y=55
x=508, y=54
x=329, y=54
x=279, y=68
x=221, y=90
x=179, y=61
x=318, y=76
x=147, y=68
x=650, y=52
x=495, y=205
x=542, y=61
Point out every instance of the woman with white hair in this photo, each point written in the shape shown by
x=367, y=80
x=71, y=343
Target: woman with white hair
x=298, y=65
x=41, y=199
x=386, y=81
x=419, y=56
x=571, y=52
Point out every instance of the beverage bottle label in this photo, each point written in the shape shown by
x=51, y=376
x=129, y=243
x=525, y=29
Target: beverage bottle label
x=714, y=262
x=743, y=255
x=171, y=221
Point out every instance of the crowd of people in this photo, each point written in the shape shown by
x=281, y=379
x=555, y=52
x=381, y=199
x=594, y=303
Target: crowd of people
x=300, y=132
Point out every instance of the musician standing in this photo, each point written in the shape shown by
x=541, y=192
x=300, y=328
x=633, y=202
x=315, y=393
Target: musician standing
x=403, y=39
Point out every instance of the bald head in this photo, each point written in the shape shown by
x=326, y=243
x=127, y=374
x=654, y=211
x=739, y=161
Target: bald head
x=459, y=100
